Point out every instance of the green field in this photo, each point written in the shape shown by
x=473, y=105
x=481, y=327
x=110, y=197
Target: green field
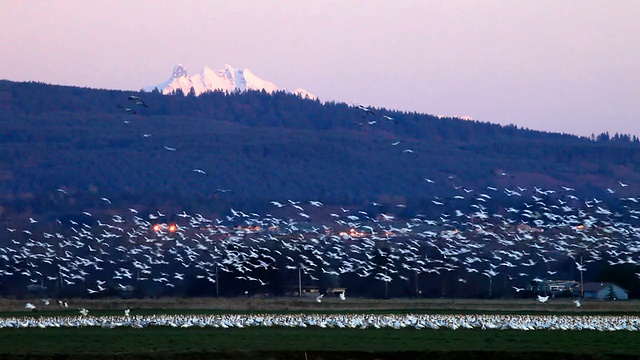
x=161, y=342
x=314, y=343
x=294, y=304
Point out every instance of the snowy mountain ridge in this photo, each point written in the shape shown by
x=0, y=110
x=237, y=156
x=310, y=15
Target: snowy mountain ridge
x=227, y=79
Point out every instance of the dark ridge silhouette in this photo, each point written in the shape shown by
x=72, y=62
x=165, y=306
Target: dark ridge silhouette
x=276, y=146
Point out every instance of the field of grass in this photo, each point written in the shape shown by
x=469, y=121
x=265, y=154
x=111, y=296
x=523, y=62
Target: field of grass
x=160, y=342
x=292, y=304
x=314, y=343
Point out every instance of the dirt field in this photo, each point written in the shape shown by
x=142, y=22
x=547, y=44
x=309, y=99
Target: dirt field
x=330, y=304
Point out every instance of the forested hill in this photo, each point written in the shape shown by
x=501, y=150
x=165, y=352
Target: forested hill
x=278, y=146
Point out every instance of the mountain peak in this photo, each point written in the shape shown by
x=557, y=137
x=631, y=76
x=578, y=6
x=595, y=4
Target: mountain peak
x=227, y=79
x=179, y=71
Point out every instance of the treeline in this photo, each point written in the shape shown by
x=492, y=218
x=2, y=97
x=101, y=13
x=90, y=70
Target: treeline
x=274, y=147
x=260, y=109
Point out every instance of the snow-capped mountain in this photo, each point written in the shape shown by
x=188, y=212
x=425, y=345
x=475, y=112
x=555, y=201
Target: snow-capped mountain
x=227, y=79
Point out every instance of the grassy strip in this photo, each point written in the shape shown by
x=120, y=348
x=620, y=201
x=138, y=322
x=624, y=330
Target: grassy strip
x=162, y=341
x=334, y=304
x=101, y=312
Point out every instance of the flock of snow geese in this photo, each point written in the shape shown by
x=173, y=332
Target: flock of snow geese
x=113, y=252
x=525, y=241
x=337, y=321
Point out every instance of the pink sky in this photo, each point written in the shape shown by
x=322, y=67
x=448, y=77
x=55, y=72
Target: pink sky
x=566, y=66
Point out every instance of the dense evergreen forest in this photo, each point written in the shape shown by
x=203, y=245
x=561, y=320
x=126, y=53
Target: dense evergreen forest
x=278, y=146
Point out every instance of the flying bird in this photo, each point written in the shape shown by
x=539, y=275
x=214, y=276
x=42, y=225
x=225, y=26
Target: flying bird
x=389, y=118
x=127, y=110
x=543, y=299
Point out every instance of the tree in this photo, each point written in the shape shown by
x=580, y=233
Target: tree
x=611, y=294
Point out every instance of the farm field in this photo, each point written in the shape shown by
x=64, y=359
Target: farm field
x=287, y=343
x=293, y=304
x=313, y=343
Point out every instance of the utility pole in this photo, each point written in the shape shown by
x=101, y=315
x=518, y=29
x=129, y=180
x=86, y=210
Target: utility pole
x=490, y=285
x=299, y=280
x=217, y=282
x=386, y=284
x=61, y=281
x=581, y=279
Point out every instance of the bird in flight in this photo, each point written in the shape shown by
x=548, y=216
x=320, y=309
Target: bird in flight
x=127, y=110
x=137, y=100
x=365, y=109
x=543, y=299
x=170, y=148
x=200, y=171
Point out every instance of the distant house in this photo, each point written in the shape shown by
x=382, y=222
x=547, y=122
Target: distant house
x=554, y=286
x=307, y=291
x=602, y=291
x=337, y=291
